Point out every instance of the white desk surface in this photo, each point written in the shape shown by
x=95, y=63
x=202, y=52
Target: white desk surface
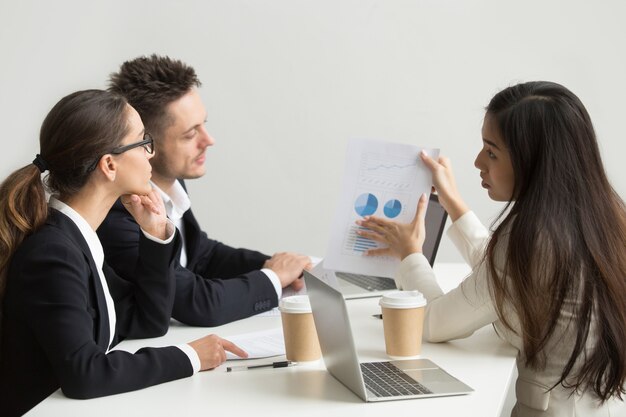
x=483, y=361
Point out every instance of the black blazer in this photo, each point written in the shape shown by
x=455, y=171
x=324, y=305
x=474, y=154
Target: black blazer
x=55, y=327
x=220, y=284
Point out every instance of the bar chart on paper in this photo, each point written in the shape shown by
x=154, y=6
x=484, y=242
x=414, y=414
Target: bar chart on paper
x=358, y=244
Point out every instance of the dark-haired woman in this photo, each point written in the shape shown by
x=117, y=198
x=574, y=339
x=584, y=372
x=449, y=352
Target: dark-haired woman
x=552, y=275
x=63, y=307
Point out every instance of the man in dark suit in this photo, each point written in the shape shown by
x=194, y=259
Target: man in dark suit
x=215, y=283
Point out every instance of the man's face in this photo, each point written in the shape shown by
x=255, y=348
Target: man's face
x=180, y=151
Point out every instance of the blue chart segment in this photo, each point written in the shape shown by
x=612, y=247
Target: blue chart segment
x=392, y=208
x=366, y=204
x=358, y=243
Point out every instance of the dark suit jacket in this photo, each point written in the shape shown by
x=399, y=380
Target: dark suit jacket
x=55, y=327
x=220, y=284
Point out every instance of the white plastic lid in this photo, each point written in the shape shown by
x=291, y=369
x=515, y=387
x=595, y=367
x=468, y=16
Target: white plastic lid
x=295, y=304
x=403, y=299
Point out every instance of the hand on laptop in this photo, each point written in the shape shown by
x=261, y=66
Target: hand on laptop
x=289, y=267
x=401, y=239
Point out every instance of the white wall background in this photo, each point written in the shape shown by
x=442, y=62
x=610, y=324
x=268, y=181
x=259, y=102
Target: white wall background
x=288, y=82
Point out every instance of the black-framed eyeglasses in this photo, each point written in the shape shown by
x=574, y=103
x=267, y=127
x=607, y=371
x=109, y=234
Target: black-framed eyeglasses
x=147, y=143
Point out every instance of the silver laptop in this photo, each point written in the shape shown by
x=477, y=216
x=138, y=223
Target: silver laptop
x=362, y=286
x=373, y=381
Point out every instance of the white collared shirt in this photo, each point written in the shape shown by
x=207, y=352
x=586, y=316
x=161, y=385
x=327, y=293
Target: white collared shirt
x=97, y=253
x=176, y=205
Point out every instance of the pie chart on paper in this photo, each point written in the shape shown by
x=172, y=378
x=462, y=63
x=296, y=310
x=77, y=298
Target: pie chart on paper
x=392, y=208
x=366, y=204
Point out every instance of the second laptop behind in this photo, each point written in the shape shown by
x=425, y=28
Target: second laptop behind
x=363, y=286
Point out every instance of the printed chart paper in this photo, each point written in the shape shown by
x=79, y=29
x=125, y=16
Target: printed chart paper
x=380, y=179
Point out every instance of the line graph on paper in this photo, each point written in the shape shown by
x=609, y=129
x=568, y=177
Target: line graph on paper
x=382, y=172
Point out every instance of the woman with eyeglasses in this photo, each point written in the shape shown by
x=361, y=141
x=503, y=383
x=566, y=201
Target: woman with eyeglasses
x=551, y=277
x=63, y=308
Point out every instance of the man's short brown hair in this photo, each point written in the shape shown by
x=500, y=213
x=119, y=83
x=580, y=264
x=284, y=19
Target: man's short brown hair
x=150, y=84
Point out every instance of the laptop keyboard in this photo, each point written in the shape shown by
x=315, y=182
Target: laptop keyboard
x=386, y=380
x=368, y=282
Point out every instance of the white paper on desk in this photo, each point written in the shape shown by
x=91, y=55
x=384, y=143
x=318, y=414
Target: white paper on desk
x=261, y=344
x=381, y=179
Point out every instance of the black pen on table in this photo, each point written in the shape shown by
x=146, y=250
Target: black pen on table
x=281, y=364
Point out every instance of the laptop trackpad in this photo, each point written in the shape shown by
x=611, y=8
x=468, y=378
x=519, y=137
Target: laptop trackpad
x=431, y=376
x=414, y=364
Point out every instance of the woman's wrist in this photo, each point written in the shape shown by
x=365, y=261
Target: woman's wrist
x=454, y=205
x=159, y=231
x=410, y=251
x=458, y=211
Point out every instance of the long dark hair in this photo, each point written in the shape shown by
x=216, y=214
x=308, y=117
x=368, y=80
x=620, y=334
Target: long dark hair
x=566, y=233
x=79, y=129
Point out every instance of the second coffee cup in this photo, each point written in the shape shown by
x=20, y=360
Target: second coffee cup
x=301, y=344
x=403, y=320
